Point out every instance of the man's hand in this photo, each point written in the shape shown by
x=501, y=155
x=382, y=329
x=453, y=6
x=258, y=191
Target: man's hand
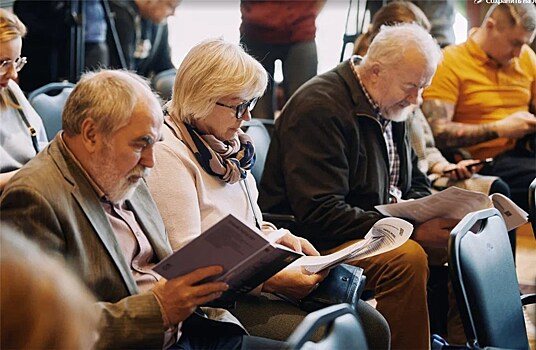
x=516, y=125
x=180, y=296
x=463, y=169
x=293, y=283
x=433, y=236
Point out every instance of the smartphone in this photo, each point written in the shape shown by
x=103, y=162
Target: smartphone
x=481, y=162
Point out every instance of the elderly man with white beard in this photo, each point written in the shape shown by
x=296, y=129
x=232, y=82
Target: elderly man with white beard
x=340, y=147
x=83, y=199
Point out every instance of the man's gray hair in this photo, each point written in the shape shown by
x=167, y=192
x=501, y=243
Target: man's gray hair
x=109, y=98
x=392, y=42
x=211, y=70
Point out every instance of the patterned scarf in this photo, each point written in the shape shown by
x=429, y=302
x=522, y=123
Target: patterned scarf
x=227, y=160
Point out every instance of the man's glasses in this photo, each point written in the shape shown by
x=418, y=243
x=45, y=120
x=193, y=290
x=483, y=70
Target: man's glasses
x=241, y=108
x=18, y=63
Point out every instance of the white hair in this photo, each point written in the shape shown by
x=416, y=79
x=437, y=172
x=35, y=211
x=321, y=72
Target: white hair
x=109, y=98
x=392, y=42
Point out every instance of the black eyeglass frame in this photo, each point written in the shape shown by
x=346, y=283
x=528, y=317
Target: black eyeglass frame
x=241, y=108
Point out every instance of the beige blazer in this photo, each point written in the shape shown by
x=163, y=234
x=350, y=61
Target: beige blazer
x=51, y=201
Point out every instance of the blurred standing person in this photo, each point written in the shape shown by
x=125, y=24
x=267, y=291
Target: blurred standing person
x=96, y=49
x=281, y=30
x=22, y=134
x=142, y=37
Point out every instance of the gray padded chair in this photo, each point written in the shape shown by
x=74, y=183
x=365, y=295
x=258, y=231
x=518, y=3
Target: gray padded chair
x=342, y=330
x=48, y=101
x=485, y=282
x=261, y=140
x=163, y=83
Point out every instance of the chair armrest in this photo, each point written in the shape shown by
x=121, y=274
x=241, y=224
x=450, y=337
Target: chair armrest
x=281, y=220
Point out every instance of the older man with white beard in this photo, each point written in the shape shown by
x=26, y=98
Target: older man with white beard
x=340, y=147
x=83, y=198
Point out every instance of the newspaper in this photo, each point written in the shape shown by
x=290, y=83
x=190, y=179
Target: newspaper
x=385, y=235
x=455, y=203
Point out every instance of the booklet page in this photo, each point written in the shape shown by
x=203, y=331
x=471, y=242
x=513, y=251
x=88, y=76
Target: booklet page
x=385, y=235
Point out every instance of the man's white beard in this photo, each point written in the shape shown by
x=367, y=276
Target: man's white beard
x=117, y=188
x=399, y=115
x=123, y=188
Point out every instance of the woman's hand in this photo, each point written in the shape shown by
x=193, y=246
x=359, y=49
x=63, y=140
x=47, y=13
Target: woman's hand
x=293, y=283
x=299, y=244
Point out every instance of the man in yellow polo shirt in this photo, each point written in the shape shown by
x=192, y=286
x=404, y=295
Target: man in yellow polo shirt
x=483, y=96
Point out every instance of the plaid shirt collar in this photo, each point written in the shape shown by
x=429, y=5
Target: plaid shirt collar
x=395, y=194
x=384, y=122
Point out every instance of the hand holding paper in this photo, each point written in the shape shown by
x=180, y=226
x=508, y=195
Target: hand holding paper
x=385, y=235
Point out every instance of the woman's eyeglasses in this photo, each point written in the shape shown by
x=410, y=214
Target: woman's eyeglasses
x=241, y=108
x=18, y=63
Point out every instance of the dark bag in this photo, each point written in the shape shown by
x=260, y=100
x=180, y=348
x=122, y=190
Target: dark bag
x=344, y=284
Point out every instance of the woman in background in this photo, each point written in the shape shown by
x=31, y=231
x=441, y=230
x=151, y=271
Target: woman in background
x=22, y=133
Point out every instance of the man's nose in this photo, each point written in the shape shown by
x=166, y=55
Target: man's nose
x=413, y=96
x=147, y=157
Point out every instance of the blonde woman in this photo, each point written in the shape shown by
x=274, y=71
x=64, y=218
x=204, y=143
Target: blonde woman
x=22, y=134
x=202, y=174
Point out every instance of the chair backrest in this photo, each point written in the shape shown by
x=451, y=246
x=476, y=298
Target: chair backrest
x=485, y=281
x=342, y=326
x=532, y=205
x=258, y=132
x=163, y=83
x=48, y=101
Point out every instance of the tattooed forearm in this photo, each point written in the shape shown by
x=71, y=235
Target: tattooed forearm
x=452, y=134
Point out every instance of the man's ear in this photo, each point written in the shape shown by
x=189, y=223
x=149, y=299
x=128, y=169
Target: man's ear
x=375, y=72
x=490, y=23
x=91, y=137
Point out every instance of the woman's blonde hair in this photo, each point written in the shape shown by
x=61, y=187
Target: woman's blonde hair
x=211, y=70
x=393, y=13
x=10, y=28
x=44, y=306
